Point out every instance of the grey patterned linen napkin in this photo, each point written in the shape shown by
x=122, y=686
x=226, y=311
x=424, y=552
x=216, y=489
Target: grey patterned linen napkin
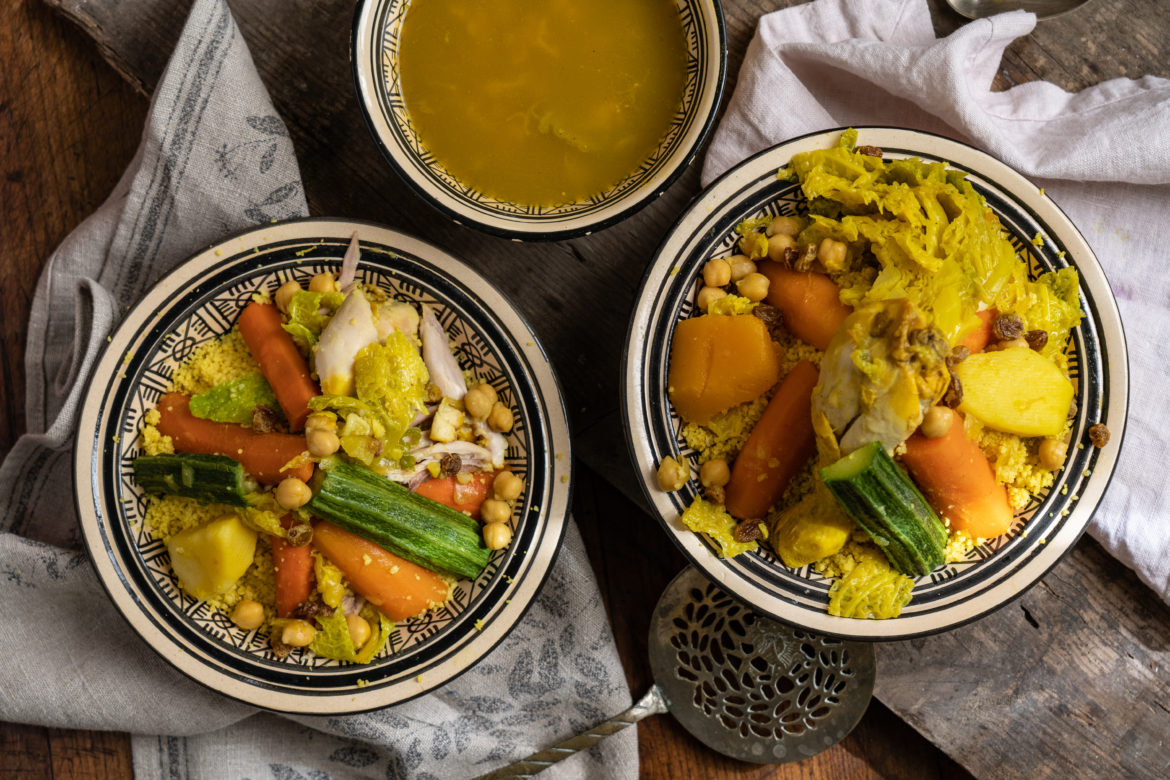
x=214, y=159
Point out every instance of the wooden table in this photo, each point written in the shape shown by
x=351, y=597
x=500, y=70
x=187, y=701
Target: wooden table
x=1067, y=681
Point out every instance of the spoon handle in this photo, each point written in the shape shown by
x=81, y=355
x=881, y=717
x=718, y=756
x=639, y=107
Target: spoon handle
x=650, y=704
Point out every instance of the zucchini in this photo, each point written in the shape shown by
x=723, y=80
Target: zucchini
x=880, y=498
x=212, y=479
x=410, y=526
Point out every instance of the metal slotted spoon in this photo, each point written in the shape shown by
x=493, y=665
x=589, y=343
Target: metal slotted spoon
x=744, y=685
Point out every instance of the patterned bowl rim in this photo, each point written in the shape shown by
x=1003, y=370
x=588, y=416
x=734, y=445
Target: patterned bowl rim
x=195, y=296
x=960, y=592
x=373, y=47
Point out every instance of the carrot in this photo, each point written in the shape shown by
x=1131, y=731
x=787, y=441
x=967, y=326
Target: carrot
x=957, y=480
x=292, y=569
x=976, y=340
x=465, y=497
x=263, y=454
x=280, y=361
x=779, y=444
x=810, y=302
x=397, y=587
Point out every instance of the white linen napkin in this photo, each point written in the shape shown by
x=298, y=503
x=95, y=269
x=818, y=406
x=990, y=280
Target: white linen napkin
x=1102, y=154
x=215, y=158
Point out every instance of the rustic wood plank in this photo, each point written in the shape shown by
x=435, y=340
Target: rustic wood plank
x=90, y=755
x=24, y=752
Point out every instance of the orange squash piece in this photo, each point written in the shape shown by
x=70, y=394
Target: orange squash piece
x=718, y=361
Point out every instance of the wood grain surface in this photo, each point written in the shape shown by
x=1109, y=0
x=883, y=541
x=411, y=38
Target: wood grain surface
x=1068, y=681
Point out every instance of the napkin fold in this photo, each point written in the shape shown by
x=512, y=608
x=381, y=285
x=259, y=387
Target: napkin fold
x=1102, y=154
x=216, y=158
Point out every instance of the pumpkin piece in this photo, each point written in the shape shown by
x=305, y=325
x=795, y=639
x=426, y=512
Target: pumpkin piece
x=1015, y=391
x=718, y=361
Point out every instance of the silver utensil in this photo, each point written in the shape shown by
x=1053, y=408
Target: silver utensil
x=1044, y=9
x=744, y=685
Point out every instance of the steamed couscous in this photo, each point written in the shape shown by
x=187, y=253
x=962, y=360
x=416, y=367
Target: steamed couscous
x=920, y=396
x=326, y=468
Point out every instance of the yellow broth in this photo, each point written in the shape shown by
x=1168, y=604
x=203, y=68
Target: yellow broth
x=546, y=102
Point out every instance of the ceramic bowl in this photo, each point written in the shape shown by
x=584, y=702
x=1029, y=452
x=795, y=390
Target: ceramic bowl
x=200, y=300
x=993, y=572
x=377, y=29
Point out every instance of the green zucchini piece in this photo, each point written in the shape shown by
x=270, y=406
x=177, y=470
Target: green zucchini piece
x=212, y=479
x=882, y=499
x=407, y=524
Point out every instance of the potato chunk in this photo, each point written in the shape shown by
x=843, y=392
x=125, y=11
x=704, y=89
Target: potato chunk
x=210, y=558
x=1015, y=391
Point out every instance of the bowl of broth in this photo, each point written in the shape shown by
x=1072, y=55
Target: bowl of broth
x=539, y=121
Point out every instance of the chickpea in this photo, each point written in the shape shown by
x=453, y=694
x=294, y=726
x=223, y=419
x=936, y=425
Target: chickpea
x=741, y=266
x=323, y=282
x=831, y=253
x=787, y=226
x=359, y=630
x=778, y=245
x=284, y=294
x=937, y=422
x=322, y=443
x=320, y=421
x=1021, y=342
x=293, y=493
x=714, y=473
x=709, y=295
x=248, y=614
x=494, y=510
x=500, y=419
x=717, y=272
x=1052, y=453
x=754, y=287
x=298, y=633
x=479, y=400
x=672, y=475
x=507, y=486
x=497, y=536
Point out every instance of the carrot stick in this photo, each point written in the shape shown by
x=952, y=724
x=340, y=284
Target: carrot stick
x=292, y=572
x=263, y=454
x=465, y=497
x=397, y=587
x=280, y=361
x=978, y=339
x=957, y=480
x=810, y=302
x=779, y=444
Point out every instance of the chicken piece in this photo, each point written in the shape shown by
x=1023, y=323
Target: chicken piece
x=350, y=331
x=390, y=316
x=884, y=368
x=436, y=351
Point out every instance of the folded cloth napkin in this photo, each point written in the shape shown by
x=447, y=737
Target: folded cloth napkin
x=215, y=158
x=1102, y=154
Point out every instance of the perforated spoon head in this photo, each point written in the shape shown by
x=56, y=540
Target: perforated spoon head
x=748, y=686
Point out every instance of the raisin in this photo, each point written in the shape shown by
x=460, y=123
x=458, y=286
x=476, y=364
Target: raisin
x=870, y=151
x=715, y=494
x=1007, y=327
x=1099, y=435
x=300, y=534
x=264, y=419
x=929, y=337
x=450, y=464
x=957, y=356
x=747, y=531
x=1037, y=339
x=279, y=649
x=772, y=317
x=307, y=610
x=954, y=394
